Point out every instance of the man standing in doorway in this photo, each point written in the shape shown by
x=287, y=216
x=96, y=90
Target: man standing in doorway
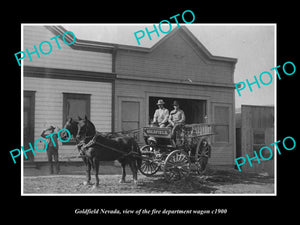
x=161, y=115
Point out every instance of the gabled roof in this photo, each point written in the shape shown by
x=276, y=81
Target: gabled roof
x=190, y=35
x=80, y=44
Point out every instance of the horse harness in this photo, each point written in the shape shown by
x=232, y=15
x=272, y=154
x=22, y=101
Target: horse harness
x=82, y=147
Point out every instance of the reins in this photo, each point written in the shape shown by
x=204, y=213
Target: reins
x=111, y=148
x=94, y=142
x=81, y=145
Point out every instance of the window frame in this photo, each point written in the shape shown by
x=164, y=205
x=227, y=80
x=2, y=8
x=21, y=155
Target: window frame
x=257, y=146
x=81, y=96
x=229, y=124
x=137, y=119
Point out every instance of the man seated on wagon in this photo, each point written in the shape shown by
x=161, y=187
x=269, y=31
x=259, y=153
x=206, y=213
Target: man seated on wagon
x=161, y=115
x=177, y=116
x=176, y=119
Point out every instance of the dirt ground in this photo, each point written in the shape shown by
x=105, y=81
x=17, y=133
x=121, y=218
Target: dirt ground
x=213, y=182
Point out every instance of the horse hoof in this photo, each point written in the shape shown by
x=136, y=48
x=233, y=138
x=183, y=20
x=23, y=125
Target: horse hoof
x=122, y=181
x=135, y=183
x=95, y=187
x=86, y=183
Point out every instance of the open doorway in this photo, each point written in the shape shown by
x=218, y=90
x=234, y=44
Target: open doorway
x=195, y=110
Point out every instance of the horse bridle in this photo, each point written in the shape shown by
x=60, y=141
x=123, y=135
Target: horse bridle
x=86, y=127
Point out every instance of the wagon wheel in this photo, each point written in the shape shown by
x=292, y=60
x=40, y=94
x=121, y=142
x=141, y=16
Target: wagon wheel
x=149, y=165
x=177, y=165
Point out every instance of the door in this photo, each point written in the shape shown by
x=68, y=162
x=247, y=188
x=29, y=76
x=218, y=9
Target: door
x=130, y=116
x=28, y=122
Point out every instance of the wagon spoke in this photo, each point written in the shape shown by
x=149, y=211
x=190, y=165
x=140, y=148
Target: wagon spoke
x=149, y=165
x=152, y=166
x=177, y=165
x=181, y=157
x=185, y=170
x=144, y=168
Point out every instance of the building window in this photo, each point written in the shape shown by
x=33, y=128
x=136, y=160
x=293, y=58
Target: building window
x=74, y=106
x=259, y=137
x=259, y=142
x=221, y=124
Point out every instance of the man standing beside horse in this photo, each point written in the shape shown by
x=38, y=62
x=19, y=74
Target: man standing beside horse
x=52, y=149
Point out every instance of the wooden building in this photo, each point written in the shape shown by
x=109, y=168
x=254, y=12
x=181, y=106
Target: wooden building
x=118, y=85
x=255, y=129
x=76, y=80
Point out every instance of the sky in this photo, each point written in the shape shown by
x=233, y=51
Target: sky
x=252, y=44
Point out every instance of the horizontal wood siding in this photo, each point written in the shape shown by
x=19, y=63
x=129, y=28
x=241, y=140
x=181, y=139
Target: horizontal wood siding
x=260, y=116
x=64, y=58
x=176, y=59
x=222, y=154
x=49, y=106
x=178, y=68
x=256, y=117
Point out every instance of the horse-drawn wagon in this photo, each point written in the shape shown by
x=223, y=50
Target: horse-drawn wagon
x=177, y=153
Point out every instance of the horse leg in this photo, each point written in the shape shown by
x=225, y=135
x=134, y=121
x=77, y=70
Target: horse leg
x=123, y=172
x=88, y=172
x=96, y=164
x=134, y=171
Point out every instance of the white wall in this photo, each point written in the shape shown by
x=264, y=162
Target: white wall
x=64, y=58
x=49, y=105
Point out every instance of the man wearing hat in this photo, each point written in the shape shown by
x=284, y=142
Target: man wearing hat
x=161, y=115
x=176, y=120
x=177, y=116
x=52, y=149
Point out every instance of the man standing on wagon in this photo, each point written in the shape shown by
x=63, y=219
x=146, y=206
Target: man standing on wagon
x=161, y=115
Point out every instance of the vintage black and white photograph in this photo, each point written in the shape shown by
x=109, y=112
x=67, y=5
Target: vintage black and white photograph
x=149, y=109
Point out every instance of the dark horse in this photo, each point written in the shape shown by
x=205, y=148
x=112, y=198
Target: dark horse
x=104, y=148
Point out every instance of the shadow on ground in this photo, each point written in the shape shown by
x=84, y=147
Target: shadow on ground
x=213, y=181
